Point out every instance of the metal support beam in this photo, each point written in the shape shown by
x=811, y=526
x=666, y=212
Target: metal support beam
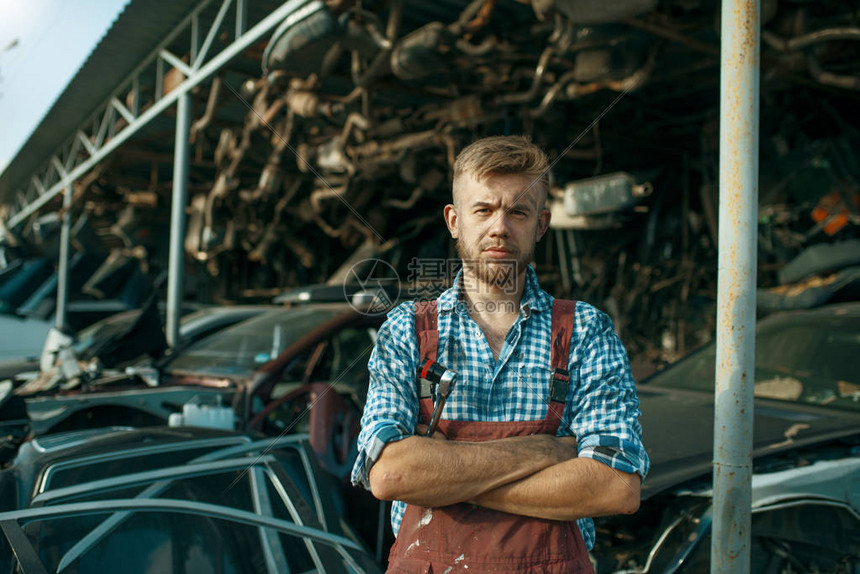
x=293, y=10
x=735, y=365
x=213, y=31
x=195, y=37
x=174, y=61
x=159, y=79
x=135, y=96
x=123, y=111
x=241, y=17
x=176, y=264
x=103, y=126
x=91, y=149
x=72, y=156
x=37, y=183
x=63, y=265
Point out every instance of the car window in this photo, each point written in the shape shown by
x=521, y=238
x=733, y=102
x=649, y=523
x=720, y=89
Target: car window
x=243, y=348
x=340, y=362
x=805, y=362
x=695, y=372
x=156, y=541
x=109, y=327
x=345, y=359
x=786, y=350
x=150, y=543
x=836, y=353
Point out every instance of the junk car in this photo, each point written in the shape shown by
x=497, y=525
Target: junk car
x=806, y=455
x=173, y=500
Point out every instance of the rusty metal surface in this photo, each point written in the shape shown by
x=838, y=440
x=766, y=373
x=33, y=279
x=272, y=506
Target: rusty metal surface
x=736, y=286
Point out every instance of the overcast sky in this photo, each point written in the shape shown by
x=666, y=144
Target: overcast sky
x=42, y=45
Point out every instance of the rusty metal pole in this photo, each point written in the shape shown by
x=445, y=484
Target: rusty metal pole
x=735, y=365
x=61, y=316
x=176, y=263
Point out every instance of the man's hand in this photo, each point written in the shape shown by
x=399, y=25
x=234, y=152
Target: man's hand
x=436, y=472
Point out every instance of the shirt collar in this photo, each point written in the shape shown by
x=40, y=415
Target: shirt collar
x=534, y=298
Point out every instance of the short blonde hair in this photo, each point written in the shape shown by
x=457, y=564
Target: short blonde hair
x=504, y=155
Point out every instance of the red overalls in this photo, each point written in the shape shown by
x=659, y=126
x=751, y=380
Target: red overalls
x=466, y=538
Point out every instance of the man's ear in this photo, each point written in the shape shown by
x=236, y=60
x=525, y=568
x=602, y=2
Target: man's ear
x=452, y=221
x=543, y=223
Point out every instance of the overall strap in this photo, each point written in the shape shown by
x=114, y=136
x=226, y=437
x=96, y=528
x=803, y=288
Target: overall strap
x=563, y=312
x=427, y=333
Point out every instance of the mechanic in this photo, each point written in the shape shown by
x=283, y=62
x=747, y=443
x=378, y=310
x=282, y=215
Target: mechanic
x=541, y=430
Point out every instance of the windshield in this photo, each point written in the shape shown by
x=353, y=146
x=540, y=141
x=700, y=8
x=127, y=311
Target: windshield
x=241, y=349
x=113, y=326
x=797, y=360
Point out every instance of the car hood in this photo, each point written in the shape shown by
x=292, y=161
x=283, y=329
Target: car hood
x=22, y=338
x=678, y=432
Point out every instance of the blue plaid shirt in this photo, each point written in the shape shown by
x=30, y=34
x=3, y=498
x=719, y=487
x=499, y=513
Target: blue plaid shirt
x=602, y=407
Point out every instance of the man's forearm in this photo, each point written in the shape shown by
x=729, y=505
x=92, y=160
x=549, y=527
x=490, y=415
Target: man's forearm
x=428, y=472
x=576, y=488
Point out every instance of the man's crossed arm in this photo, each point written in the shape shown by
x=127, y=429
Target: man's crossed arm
x=537, y=475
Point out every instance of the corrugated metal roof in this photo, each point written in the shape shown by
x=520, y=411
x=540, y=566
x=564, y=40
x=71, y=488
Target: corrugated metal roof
x=134, y=34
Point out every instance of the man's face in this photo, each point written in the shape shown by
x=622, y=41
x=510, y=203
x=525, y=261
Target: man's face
x=497, y=222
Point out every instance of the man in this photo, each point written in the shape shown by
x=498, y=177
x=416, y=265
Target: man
x=517, y=468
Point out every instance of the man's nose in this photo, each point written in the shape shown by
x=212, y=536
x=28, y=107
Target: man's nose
x=499, y=225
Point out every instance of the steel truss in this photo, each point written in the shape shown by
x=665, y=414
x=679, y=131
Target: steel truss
x=114, y=122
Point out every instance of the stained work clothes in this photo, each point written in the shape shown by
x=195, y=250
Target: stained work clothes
x=602, y=407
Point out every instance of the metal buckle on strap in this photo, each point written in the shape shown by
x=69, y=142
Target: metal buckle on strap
x=559, y=385
x=425, y=388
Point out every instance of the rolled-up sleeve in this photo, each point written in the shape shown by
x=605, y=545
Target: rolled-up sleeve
x=604, y=414
x=391, y=410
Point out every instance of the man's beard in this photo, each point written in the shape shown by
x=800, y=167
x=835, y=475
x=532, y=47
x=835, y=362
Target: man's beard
x=498, y=273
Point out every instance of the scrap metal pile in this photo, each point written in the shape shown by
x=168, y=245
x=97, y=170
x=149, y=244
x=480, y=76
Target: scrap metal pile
x=349, y=134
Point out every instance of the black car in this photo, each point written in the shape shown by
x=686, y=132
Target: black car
x=172, y=500
x=806, y=455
